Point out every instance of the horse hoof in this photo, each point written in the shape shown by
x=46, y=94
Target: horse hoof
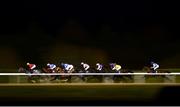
x=33, y=81
x=65, y=80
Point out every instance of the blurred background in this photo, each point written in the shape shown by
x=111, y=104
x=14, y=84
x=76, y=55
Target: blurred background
x=128, y=32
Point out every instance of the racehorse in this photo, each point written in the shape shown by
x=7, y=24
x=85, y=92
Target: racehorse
x=123, y=78
x=98, y=77
x=30, y=78
x=62, y=77
x=117, y=78
x=68, y=77
x=55, y=70
x=80, y=69
x=88, y=78
x=148, y=70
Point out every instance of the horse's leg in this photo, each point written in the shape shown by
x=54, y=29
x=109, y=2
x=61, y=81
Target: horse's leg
x=28, y=78
x=31, y=80
x=56, y=77
x=130, y=76
x=81, y=76
x=53, y=78
x=69, y=77
x=63, y=77
x=46, y=77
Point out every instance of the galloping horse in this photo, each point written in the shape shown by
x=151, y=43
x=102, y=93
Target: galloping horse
x=58, y=70
x=31, y=78
x=123, y=78
x=148, y=70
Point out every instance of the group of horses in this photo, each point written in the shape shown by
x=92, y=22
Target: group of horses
x=37, y=78
x=84, y=78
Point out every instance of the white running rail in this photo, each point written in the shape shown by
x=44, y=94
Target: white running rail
x=11, y=74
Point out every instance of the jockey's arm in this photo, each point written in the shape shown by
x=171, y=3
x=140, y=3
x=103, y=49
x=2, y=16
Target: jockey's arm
x=71, y=67
x=153, y=66
x=54, y=67
x=86, y=67
x=114, y=68
x=157, y=66
x=118, y=67
x=98, y=67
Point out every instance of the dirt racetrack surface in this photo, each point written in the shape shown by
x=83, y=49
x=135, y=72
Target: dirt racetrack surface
x=88, y=84
x=89, y=93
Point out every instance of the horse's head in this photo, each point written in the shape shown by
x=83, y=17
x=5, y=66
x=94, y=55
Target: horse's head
x=21, y=69
x=45, y=70
x=146, y=69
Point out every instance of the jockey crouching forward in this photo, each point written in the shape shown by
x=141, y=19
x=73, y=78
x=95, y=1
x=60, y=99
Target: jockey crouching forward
x=67, y=67
x=115, y=67
x=153, y=67
x=85, y=67
x=51, y=67
x=99, y=67
x=31, y=67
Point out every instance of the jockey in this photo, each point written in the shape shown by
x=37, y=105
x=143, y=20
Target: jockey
x=154, y=66
x=51, y=66
x=99, y=66
x=85, y=66
x=115, y=67
x=67, y=67
x=31, y=67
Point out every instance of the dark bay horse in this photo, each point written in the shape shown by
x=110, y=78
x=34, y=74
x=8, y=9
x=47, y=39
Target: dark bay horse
x=58, y=77
x=30, y=78
x=148, y=70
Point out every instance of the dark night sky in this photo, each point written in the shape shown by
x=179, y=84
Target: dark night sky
x=148, y=27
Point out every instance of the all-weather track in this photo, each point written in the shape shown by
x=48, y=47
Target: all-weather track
x=140, y=73
x=90, y=84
